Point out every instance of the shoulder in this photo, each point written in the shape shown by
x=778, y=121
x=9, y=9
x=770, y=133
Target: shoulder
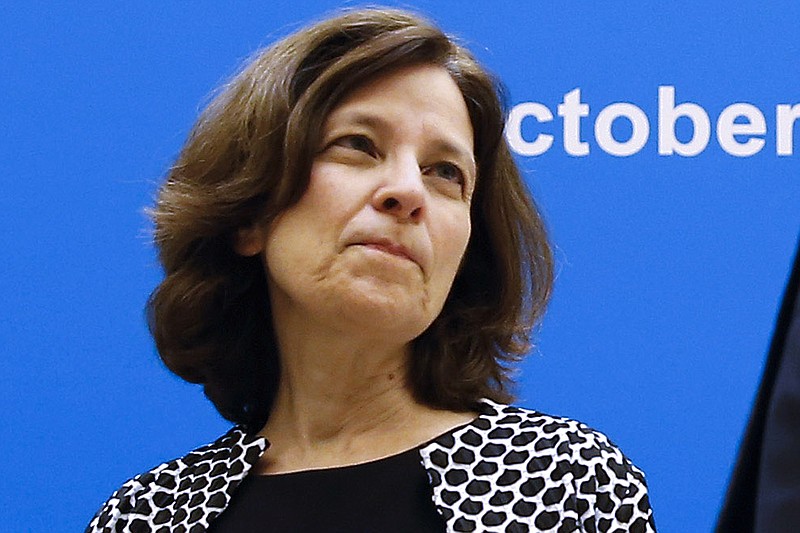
x=537, y=470
x=206, y=477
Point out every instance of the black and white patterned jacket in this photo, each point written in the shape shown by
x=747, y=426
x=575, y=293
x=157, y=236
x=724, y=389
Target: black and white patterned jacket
x=510, y=469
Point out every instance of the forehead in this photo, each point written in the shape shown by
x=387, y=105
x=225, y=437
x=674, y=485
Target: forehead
x=425, y=95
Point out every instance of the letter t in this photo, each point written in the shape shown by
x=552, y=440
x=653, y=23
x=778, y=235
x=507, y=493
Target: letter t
x=571, y=109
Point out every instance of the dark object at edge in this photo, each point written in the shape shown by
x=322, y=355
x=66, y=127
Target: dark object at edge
x=764, y=491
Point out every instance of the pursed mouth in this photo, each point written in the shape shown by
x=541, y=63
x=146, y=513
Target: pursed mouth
x=389, y=247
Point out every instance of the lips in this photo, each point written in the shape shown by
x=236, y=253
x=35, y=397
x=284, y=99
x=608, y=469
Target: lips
x=390, y=247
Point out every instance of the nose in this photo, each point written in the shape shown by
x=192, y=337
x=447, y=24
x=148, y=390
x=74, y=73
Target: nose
x=402, y=192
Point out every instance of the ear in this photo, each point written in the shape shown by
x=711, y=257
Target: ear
x=249, y=240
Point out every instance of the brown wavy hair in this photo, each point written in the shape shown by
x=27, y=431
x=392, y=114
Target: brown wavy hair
x=248, y=158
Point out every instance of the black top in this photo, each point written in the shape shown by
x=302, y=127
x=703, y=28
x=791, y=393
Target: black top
x=387, y=495
x=764, y=492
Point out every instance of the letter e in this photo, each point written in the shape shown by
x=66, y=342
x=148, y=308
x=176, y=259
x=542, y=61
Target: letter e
x=727, y=128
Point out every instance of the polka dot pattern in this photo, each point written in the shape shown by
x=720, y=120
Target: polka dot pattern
x=518, y=470
x=184, y=495
x=510, y=470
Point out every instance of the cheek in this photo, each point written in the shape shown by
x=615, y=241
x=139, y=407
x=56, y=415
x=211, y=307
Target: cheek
x=290, y=242
x=452, y=242
x=304, y=227
x=278, y=252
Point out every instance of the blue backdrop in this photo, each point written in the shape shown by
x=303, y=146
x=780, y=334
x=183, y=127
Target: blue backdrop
x=671, y=259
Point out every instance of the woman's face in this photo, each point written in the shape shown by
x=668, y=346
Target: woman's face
x=376, y=240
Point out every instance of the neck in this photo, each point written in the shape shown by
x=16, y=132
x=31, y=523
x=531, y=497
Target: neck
x=344, y=400
x=334, y=390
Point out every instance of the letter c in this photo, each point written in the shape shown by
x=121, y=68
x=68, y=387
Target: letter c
x=518, y=144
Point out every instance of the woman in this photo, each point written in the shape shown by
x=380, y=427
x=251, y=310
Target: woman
x=352, y=261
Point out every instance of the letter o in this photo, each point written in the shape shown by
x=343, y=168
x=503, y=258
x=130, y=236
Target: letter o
x=639, y=123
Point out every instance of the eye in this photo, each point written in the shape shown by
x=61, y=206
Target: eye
x=360, y=143
x=447, y=171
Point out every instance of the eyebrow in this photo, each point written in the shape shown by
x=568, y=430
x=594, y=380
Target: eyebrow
x=375, y=121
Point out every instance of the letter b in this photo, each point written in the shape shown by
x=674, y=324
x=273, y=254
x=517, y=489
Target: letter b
x=668, y=114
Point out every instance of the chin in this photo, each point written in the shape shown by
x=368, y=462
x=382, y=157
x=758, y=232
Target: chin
x=401, y=313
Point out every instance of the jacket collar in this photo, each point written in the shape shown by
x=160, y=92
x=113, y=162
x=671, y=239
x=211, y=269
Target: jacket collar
x=218, y=468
